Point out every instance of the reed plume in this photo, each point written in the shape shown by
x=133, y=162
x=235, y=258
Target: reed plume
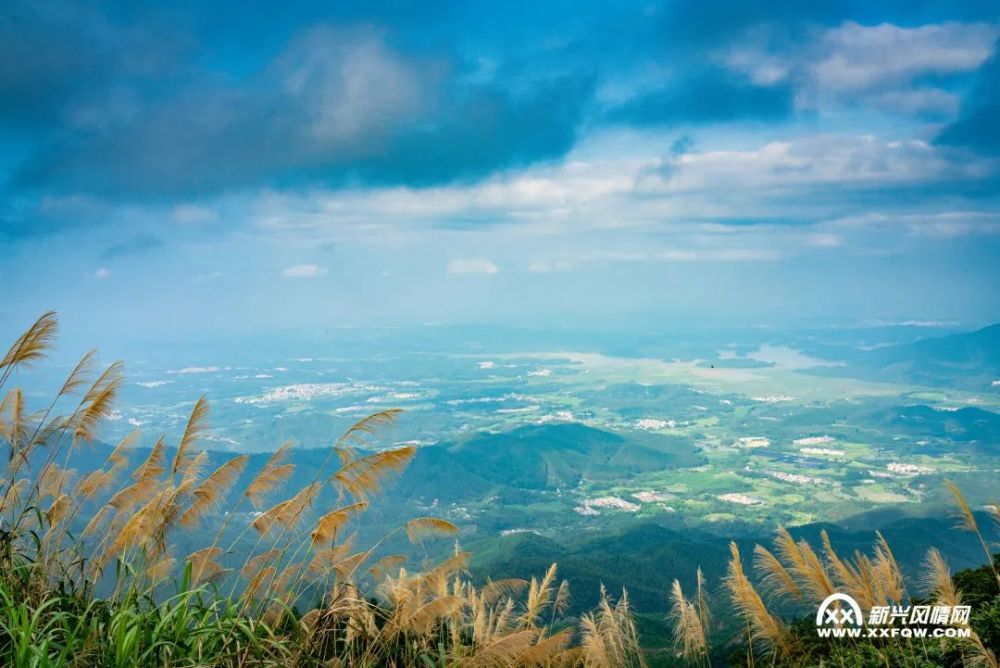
x=203, y=564
x=423, y=619
x=13, y=495
x=993, y=508
x=197, y=424
x=210, y=493
x=357, y=434
x=539, y=595
x=775, y=579
x=346, y=567
x=133, y=495
x=504, y=650
x=701, y=603
x=789, y=553
x=100, y=517
x=192, y=470
x=326, y=559
x=364, y=475
x=134, y=532
x=14, y=430
x=386, y=566
x=272, y=475
x=255, y=564
x=152, y=468
x=287, y=513
x=99, y=480
x=967, y=521
x=857, y=582
x=97, y=403
x=689, y=633
x=52, y=479
x=561, y=602
x=77, y=378
x=329, y=524
x=420, y=527
x=887, y=572
x=31, y=346
x=609, y=637
x=937, y=579
x=57, y=511
x=766, y=629
x=815, y=579
x=547, y=650
x=258, y=580
x=117, y=457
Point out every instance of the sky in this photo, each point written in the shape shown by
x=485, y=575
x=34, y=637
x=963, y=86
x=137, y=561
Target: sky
x=191, y=169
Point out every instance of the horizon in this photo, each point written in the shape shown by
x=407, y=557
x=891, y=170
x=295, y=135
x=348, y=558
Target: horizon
x=619, y=337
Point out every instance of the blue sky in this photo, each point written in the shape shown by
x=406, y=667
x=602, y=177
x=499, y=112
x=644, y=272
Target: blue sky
x=187, y=168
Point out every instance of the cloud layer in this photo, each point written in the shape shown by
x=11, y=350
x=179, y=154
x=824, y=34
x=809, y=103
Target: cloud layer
x=577, y=147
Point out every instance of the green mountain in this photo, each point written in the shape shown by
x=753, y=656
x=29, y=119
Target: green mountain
x=969, y=425
x=645, y=558
x=967, y=360
x=536, y=458
x=971, y=352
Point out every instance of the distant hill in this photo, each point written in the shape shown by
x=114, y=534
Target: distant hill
x=965, y=425
x=972, y=352
x=532, y=457
x=645, y=558
x=537, y=457
x=485, y=482
x=970, y=359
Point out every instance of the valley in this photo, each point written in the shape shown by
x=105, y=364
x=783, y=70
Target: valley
x=545, y=442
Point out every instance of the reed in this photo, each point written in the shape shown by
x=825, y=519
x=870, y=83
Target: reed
x=115, y=531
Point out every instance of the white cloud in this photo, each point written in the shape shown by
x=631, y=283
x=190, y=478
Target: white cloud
x=537, y=195
x=942, y=225
x=755, y=199
x=878, y=65
x=718, y=255
x=859, y=57
x=303, y=271
x=713, y=254
x=103, y=272
x=353, y=85
x=822, y=159
x=915, y=100
x=824, y=240
x=639, y=190
x=550, y=266
x=472, y=266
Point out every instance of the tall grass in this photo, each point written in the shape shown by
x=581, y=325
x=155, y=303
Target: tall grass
x=792, y=576
x=92, y=570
